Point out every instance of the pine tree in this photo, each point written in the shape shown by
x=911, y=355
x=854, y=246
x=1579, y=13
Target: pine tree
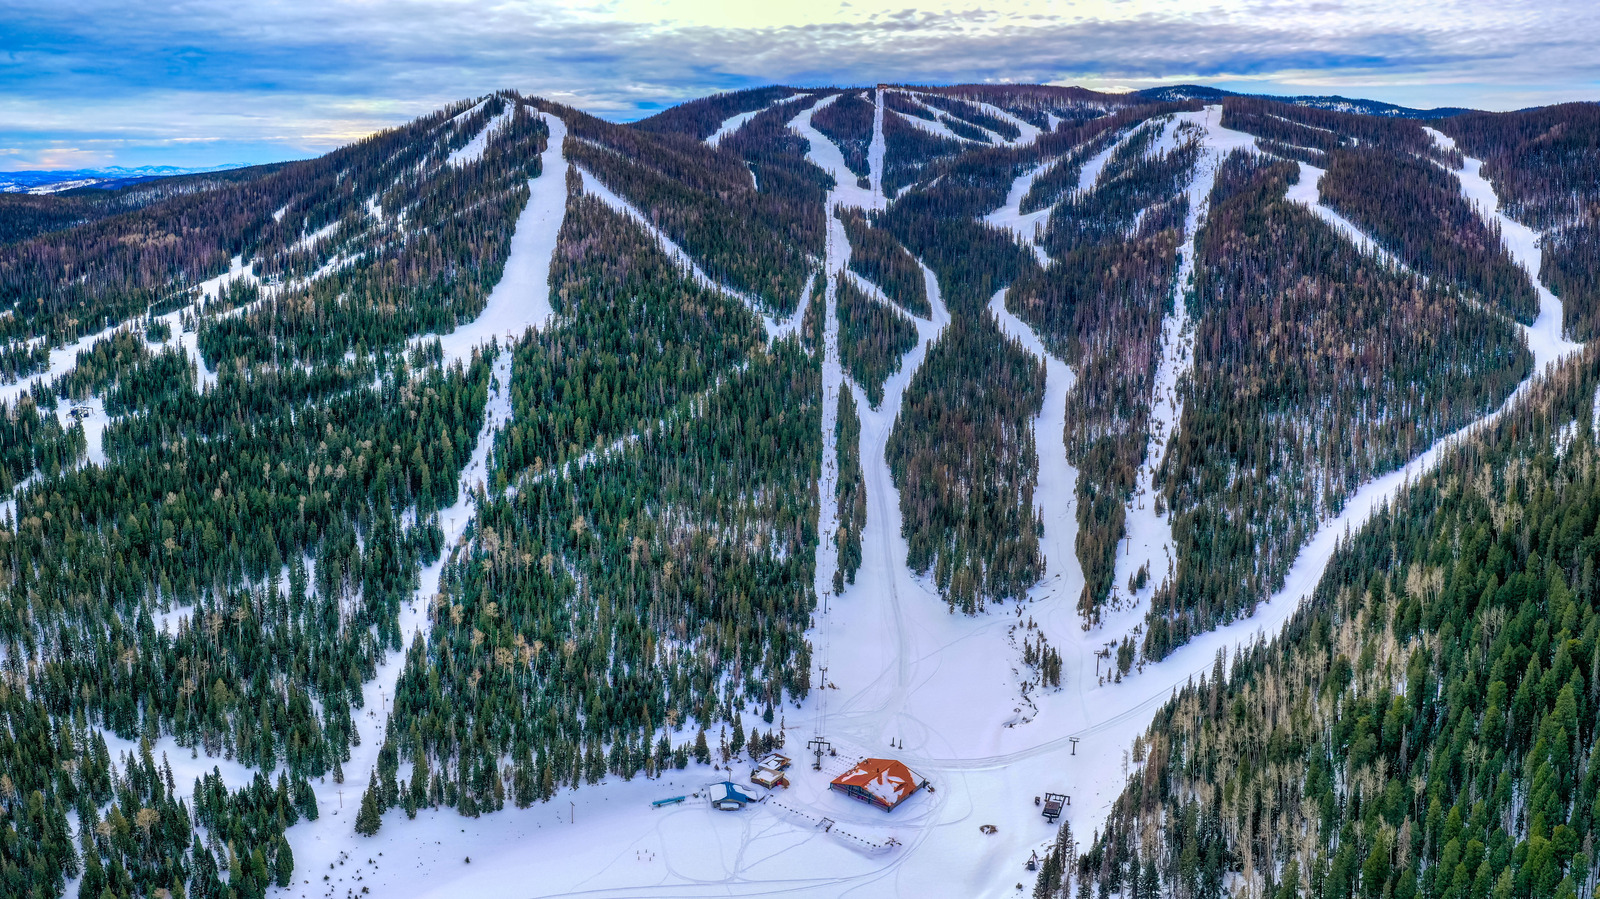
x=370, y=818
x=283, y=863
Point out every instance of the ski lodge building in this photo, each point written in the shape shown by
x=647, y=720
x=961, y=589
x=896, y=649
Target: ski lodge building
x=727, y=797
x=884, y=783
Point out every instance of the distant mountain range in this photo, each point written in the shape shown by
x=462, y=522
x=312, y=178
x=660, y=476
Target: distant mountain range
x=1179, y=92
x=50, y=182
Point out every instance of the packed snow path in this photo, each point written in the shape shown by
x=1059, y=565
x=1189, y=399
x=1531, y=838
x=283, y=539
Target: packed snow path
x=472, y=151
x=318, y=845
x=1027, y=226
x=1148, y=543
x=1056, y=496
x=739, y=120
x=836, y=266
x=1308, y=193
x=521, y=298
x=1546, y=336
x=1027, y=131
x=828, y=157
x=877, y=148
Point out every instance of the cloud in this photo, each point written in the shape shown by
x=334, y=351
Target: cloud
x=285, y=78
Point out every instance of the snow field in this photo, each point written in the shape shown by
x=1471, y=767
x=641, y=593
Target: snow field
x=937, y=129
x=1148, y=541
x=827, y=560
x=900, y=668
x=1056, y=496
x=321, y=843
x=1027, y=226
x=735, y=122
x=877, y=148
x=1307, y=192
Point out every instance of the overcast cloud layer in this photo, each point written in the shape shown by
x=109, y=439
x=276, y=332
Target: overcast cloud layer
x=197, y=82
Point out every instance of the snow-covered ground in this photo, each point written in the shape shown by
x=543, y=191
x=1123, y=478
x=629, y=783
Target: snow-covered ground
x=63, y=359
x=521, y=298
x=1546, y=337
x=318, y=845
x=472, y=151
x=735, y=122
x=1308, y=193
x=310, y=239
x=877, y=148
x=1149, y=543
x=1056, y=496
x=828, y=157
x=1027, y=226
x=935, y=128
x=1028, y=132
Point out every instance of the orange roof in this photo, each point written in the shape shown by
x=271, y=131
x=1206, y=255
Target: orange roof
x=887, y=779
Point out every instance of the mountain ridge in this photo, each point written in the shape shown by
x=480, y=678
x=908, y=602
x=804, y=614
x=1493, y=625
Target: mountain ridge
x=513, y=456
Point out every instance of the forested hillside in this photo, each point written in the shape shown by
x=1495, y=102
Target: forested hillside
x=1424, y=726
x=1545, y=164
x=1294, y=400
x=514, y=460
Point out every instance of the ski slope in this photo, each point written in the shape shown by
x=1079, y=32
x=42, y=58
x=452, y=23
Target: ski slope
x=828, y=157
x=472, y=151
x=1056, y=496
x=594, y=187
x=320, y=845
x=947, y=694
x=1546, y=337
x=948, y=689
x=1149, y=542
x=1308, y=193
x=1027, y=226
x=735, y=122
x=521, y=298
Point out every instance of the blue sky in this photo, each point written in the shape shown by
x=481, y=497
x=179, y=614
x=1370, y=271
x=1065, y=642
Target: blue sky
x=89, y=83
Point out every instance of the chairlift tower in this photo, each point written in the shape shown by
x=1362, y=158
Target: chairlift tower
x=818, y=746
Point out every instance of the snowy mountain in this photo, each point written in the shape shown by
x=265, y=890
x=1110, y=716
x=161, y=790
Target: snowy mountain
x=1332, y=103
x=366, y=515
x=56, y=181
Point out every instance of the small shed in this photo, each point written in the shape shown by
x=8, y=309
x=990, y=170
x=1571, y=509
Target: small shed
x=777, y=761
x=884, y=783
x=771, y=778
x=727, y=796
